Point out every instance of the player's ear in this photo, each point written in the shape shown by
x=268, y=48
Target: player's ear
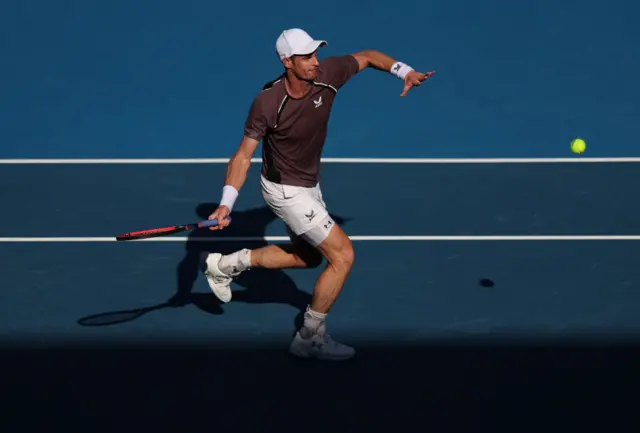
x=287, y=62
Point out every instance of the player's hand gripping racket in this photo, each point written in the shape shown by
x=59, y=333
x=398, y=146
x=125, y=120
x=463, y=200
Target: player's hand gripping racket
x=165, y=231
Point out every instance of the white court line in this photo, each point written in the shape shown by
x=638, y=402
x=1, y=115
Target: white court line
x=576, y=159
x=353, y=238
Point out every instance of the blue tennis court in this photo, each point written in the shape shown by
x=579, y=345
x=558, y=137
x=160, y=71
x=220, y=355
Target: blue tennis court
x=496, y=285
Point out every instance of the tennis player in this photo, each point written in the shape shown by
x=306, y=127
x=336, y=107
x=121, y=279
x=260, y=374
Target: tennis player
x=290, y=117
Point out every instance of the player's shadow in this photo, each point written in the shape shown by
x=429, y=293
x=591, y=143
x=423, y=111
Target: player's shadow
x=260, y=286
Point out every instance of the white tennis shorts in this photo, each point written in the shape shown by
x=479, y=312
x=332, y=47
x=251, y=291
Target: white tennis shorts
x=302, y=209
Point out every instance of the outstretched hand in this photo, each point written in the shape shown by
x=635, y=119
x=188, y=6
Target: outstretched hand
x=414, y=79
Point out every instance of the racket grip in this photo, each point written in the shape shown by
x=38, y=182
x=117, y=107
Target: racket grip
x=211, y=223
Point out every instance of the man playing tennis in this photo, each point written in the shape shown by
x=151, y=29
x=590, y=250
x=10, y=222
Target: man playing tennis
x=290, y=117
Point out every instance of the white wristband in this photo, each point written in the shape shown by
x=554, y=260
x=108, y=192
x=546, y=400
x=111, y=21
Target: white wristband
x=229, y=196
x=400, y=70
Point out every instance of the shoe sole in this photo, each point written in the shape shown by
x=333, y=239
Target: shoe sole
x=305, y=355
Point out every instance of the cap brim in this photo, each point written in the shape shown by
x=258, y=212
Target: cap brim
x=310, y=48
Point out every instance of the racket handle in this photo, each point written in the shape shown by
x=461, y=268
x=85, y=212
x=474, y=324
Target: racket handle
x=211, y=223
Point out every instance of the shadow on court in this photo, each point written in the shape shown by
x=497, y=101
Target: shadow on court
x=512, y=385
x=429, y=387
x=259, y=286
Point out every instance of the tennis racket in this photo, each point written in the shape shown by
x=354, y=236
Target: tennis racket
x=165, y=231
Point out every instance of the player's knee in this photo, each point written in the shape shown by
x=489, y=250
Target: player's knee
x=343, y=258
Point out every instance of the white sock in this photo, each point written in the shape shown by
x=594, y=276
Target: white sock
x=313, y=323
x=235, y=262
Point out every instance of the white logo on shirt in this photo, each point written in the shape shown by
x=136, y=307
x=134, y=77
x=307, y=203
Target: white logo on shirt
x=318, y=102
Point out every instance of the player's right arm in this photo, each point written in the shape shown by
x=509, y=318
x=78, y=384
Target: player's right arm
x=234, y=179
x=254, y=129
x=240, y=162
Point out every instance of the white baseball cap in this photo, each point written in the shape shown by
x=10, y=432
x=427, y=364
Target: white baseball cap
x=293, y=42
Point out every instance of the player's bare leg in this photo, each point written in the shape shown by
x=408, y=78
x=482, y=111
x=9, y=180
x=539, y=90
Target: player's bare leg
x=338, y=251
x=221, y=269
x=295, y=255
x=312, y=340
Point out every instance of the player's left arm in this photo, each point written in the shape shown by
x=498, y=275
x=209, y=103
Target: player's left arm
x=383, y=62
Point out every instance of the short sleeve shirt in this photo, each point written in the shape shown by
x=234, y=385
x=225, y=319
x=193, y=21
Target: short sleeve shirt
x=293, y=130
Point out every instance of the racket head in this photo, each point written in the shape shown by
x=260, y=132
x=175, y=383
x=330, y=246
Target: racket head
x=165, y=231
x=151, y=233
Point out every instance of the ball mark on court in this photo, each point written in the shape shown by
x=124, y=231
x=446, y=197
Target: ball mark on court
x=485, y=282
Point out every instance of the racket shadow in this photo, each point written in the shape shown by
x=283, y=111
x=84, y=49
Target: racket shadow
x=116, y=317
x=257, y=286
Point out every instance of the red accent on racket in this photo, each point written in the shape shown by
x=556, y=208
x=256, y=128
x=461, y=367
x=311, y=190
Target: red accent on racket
x=165, y=231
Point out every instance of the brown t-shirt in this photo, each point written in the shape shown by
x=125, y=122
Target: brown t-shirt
x=293, y=131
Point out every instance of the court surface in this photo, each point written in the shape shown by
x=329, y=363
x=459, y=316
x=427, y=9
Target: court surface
x=83, y=314
x=496, y=284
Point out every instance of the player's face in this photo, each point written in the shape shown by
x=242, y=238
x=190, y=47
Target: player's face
x=305, y=67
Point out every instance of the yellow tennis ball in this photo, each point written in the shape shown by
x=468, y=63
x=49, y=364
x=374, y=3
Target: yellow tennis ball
x=578, y=145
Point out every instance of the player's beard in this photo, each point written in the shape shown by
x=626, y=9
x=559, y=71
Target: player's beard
x=309, y=76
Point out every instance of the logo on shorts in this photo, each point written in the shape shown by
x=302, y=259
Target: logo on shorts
x=328, y=224
x=311, y=215
x=318, y=102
